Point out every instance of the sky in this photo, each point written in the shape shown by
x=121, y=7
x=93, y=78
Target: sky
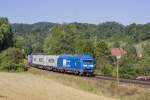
x=84, y=11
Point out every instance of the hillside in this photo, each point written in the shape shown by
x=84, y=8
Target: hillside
x=30, y=36
x=28, y=28
x=36, y=36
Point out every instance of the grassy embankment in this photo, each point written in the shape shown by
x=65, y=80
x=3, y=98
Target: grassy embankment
x=99, y=87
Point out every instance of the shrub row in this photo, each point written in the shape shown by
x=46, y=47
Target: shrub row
x=11, y=59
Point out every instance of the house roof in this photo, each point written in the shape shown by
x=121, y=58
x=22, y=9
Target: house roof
x=118, y=52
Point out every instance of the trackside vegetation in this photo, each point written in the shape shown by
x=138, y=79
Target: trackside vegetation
x=11, y=59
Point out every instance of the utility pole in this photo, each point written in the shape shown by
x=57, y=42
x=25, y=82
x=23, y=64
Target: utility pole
x=118, y=57
x=118, y=53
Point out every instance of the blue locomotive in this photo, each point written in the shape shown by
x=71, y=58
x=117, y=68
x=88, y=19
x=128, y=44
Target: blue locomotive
x=77, y=64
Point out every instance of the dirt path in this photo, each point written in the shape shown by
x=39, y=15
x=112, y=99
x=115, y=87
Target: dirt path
x=17, y=86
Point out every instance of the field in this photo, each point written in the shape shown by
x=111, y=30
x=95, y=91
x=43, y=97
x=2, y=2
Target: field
x=99, y=87
x=37, y=84
x=27, y=86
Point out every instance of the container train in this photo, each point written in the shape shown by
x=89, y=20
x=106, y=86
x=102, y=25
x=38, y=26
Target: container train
x=76, y=64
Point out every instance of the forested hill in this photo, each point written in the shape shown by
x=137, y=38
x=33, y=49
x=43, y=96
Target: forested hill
x=27, y=36
x=28, y=28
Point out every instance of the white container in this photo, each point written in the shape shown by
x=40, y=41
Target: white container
x=38, y=59
x=45, y=60
x=51, y=60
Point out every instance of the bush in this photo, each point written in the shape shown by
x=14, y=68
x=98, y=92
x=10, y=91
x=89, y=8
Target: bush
x=14, y=67
x=107, y=70
x=12, y=60
x=127, y=72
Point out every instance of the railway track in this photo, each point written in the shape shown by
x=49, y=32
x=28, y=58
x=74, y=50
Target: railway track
x=140, y=82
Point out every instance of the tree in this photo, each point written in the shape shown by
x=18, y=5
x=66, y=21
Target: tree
x=52, y=42
x=64, y=39
x=102, y=50
x=6, y=35
x=102, y=54
x=138, y=32
x=86, y=47
x=30, y=37
x=110, y=29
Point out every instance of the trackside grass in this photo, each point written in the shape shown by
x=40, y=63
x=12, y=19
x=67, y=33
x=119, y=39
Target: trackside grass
x=99, y=87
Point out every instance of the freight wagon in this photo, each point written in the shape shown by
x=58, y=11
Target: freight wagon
x=77, y=64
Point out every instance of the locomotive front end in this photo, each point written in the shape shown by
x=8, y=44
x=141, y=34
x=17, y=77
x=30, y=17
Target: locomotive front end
x=88, y=65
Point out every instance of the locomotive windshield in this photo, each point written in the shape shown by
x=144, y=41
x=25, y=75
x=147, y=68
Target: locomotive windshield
x=88, y=61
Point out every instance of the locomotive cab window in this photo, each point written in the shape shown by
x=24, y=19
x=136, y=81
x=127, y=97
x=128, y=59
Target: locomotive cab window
x=87, y=61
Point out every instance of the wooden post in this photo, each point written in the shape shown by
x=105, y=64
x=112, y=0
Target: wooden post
x=118, y=57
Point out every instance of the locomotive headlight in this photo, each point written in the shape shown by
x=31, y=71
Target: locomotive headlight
x=91, y=65
x=88, y=65
x=85, y=65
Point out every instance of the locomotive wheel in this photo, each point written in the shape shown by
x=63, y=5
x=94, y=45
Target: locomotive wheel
x=81, y=73
x=76, y=73
x=63, y=71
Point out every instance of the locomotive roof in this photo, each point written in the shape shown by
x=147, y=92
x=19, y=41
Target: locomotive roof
x=77, y=56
